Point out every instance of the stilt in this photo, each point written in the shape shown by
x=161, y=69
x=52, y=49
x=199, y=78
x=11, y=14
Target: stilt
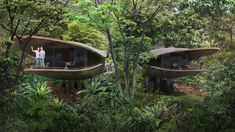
x=158, y=83
x=66, y=87
x=146, y=83
x=167, y=86
x=63, y=87
x=163, y=85
x=93, y=80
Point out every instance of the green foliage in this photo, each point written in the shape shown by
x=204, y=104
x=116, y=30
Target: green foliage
x=145, y=119
x=180, y=26
x=100, y=84
x=217, y=111
x=221, y=15
x=94, y=88
x=84, y=34
x=32, y=107
x=127, y=30
x=219, y=83
x=57, y=104
x=163, y=113
x=27, y=15
x=7, y=67
x=221, y=74
x=104, y=109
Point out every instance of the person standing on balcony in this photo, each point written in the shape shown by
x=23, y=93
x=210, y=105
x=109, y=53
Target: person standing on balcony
x=42, y=55
x=37, y=57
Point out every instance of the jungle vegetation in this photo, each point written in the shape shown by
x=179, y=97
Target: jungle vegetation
x=128, y=30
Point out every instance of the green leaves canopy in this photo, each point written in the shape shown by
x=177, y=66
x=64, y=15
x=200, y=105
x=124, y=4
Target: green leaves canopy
x=84, y=34
x=23, y=17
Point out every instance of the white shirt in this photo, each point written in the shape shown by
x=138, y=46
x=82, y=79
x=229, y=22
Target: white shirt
x=42, y=54
x=37, y=54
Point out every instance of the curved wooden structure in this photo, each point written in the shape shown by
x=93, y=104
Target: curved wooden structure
x=191, y=53
x=38, y=41
x=69, y=74
x=66, y=60
x=171, y=73
x=171, y=63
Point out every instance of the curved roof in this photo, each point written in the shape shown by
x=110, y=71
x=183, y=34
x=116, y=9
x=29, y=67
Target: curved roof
x=192, y=53
x=43, y=41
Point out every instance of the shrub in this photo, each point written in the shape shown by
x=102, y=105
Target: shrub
x=220, y=85
x=217, y=112
x=103, y=110
x=8, y=68
x=148, y=118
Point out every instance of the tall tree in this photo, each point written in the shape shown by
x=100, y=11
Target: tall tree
x=221, y=16
x=28, y=17
x=125, y=24
x=181, y=27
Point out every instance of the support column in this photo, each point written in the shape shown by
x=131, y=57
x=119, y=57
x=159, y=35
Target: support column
x=146, y=82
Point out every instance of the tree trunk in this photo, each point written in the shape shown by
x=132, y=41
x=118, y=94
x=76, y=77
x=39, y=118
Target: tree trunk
x=126, y=77
x=9, y=45
x=5, y=64
x=135, y=65
x=117, y=74
x=23, y=47
x=18, y=70
x=231, y=36
x=133, y=90
x=127, y=68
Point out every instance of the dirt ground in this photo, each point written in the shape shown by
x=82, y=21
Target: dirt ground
x=69, y=96
x=189, y=89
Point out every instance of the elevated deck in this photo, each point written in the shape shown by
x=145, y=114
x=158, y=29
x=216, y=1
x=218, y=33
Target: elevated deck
x=158, y=72
x=68, y=73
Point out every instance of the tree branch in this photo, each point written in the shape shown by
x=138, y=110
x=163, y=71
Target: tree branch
x=4, y=27
x=15, y=29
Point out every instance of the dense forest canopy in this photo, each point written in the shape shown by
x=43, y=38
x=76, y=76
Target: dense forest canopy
x=127, y=30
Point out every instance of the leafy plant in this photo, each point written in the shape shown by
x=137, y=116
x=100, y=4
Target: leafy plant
x=216, y=113
x=57, y=104
x=41, y=90
x=148, y=118
x=100, y=84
